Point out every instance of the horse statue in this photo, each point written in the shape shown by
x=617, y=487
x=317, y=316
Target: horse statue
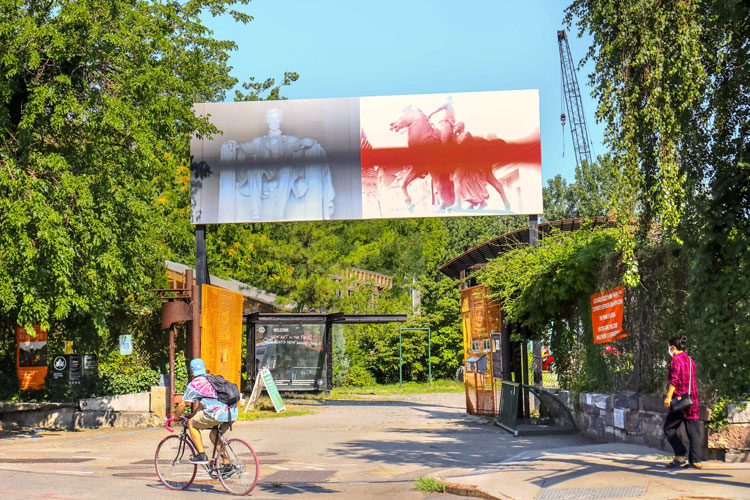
x=421, y=134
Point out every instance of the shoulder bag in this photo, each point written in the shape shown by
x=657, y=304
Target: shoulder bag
x=684, y=402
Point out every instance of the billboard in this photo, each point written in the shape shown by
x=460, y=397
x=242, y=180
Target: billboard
x=429, y=155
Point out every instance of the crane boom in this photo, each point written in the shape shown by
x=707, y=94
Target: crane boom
x=573, y=102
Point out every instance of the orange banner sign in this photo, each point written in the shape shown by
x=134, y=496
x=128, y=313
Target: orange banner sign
x=606, y=315
x=31, y=357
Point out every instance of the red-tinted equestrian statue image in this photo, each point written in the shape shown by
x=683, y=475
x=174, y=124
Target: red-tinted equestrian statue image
x=445, y=168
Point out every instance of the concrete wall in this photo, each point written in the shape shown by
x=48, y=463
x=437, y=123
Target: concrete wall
x=129, y=410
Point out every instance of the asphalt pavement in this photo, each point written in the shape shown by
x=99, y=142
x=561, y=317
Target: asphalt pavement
x=373, y=447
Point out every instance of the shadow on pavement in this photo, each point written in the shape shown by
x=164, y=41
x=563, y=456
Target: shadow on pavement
x=551, y=475
x=381, y=402
x=468, y=445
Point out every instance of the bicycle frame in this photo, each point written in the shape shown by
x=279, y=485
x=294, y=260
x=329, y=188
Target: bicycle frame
x=185, y=435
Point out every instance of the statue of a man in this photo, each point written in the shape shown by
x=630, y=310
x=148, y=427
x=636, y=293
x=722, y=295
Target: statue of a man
x=286, y=178
x=448, y=122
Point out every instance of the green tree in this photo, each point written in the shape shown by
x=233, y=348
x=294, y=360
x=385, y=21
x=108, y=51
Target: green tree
x=95, y=119
x=590, y=195
x=673, y=86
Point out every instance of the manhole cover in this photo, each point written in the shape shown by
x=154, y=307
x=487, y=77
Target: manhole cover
x=591, y=493
x=298, y=476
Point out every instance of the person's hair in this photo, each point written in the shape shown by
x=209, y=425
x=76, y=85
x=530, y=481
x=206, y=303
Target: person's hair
x=679, y=342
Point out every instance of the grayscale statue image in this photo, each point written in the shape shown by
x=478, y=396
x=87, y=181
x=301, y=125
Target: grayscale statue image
x=275, y=177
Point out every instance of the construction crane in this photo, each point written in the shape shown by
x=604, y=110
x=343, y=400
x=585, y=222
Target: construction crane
x=572, y=95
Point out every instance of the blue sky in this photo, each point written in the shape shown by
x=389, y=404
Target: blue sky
x=350, y=48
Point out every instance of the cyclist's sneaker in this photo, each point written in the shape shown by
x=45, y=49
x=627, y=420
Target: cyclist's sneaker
x=200, y=458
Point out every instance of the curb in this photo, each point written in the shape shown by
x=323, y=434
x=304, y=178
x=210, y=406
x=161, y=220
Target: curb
x=470, y=490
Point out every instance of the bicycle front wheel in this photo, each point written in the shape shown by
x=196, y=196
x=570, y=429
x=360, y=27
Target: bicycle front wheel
x=172, y=462
x=239, y=473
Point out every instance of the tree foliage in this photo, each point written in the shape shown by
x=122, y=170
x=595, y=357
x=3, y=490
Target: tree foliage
x=95, y=120
x=95, y=104
x=590, y=195
x=672, y=82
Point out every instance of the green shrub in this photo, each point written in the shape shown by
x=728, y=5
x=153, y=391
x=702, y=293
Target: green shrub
x=126, y=374
x=358, y=376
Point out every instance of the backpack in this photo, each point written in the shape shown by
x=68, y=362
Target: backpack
x=226, y=391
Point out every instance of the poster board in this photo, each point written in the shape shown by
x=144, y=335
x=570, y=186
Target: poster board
x=607, y=310
x=31, y=357
x=265, y=379
x=293, y=353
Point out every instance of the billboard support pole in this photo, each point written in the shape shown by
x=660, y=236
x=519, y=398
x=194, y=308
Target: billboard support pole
x=201, y=278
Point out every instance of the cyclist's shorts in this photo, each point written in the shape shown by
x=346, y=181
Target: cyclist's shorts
x=203, y=421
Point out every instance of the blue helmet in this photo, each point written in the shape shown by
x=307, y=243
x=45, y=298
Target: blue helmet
x=198, y=367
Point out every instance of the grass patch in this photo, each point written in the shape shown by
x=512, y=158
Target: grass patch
x=406, y=388
x=427, y=484
x=264, y=409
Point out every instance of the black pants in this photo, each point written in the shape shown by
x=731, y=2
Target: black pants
x=694, y=430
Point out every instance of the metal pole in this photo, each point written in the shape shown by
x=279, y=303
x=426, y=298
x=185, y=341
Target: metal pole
x=429, y=355
x=171, y=367
x=195, y=351
x=329, y=355
x=400, y=372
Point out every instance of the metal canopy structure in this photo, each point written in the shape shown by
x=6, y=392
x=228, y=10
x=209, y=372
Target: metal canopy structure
x=479, y=255
x=328, y=319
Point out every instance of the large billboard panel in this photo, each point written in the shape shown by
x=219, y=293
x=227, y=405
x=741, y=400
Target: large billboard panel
x=366, y=158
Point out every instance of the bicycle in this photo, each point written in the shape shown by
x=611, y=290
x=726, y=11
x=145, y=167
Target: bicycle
x=235, y=464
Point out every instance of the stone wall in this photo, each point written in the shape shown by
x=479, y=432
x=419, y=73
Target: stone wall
x=128, y=410
x=624, y=417
x=735, y=437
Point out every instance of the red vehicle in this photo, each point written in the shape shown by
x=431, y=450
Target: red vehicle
x=548, y=360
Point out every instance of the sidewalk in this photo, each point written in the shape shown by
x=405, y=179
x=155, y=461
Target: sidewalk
x=614, y=470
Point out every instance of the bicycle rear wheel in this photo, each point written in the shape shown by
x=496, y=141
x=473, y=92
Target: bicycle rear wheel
x=172, y=462
x=240, y=475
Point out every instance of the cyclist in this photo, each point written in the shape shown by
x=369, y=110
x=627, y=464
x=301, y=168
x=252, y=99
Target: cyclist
x=207, y=411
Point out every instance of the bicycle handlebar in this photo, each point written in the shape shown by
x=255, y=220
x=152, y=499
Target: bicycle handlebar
x=168, y=420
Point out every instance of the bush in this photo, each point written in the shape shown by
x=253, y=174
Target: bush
x=358, y=376
x=126, y=374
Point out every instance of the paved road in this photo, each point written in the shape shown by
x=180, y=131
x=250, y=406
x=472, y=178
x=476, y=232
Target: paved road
x=372, y=448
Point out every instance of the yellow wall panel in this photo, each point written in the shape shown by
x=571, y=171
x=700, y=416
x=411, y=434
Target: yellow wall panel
x=221, y=332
